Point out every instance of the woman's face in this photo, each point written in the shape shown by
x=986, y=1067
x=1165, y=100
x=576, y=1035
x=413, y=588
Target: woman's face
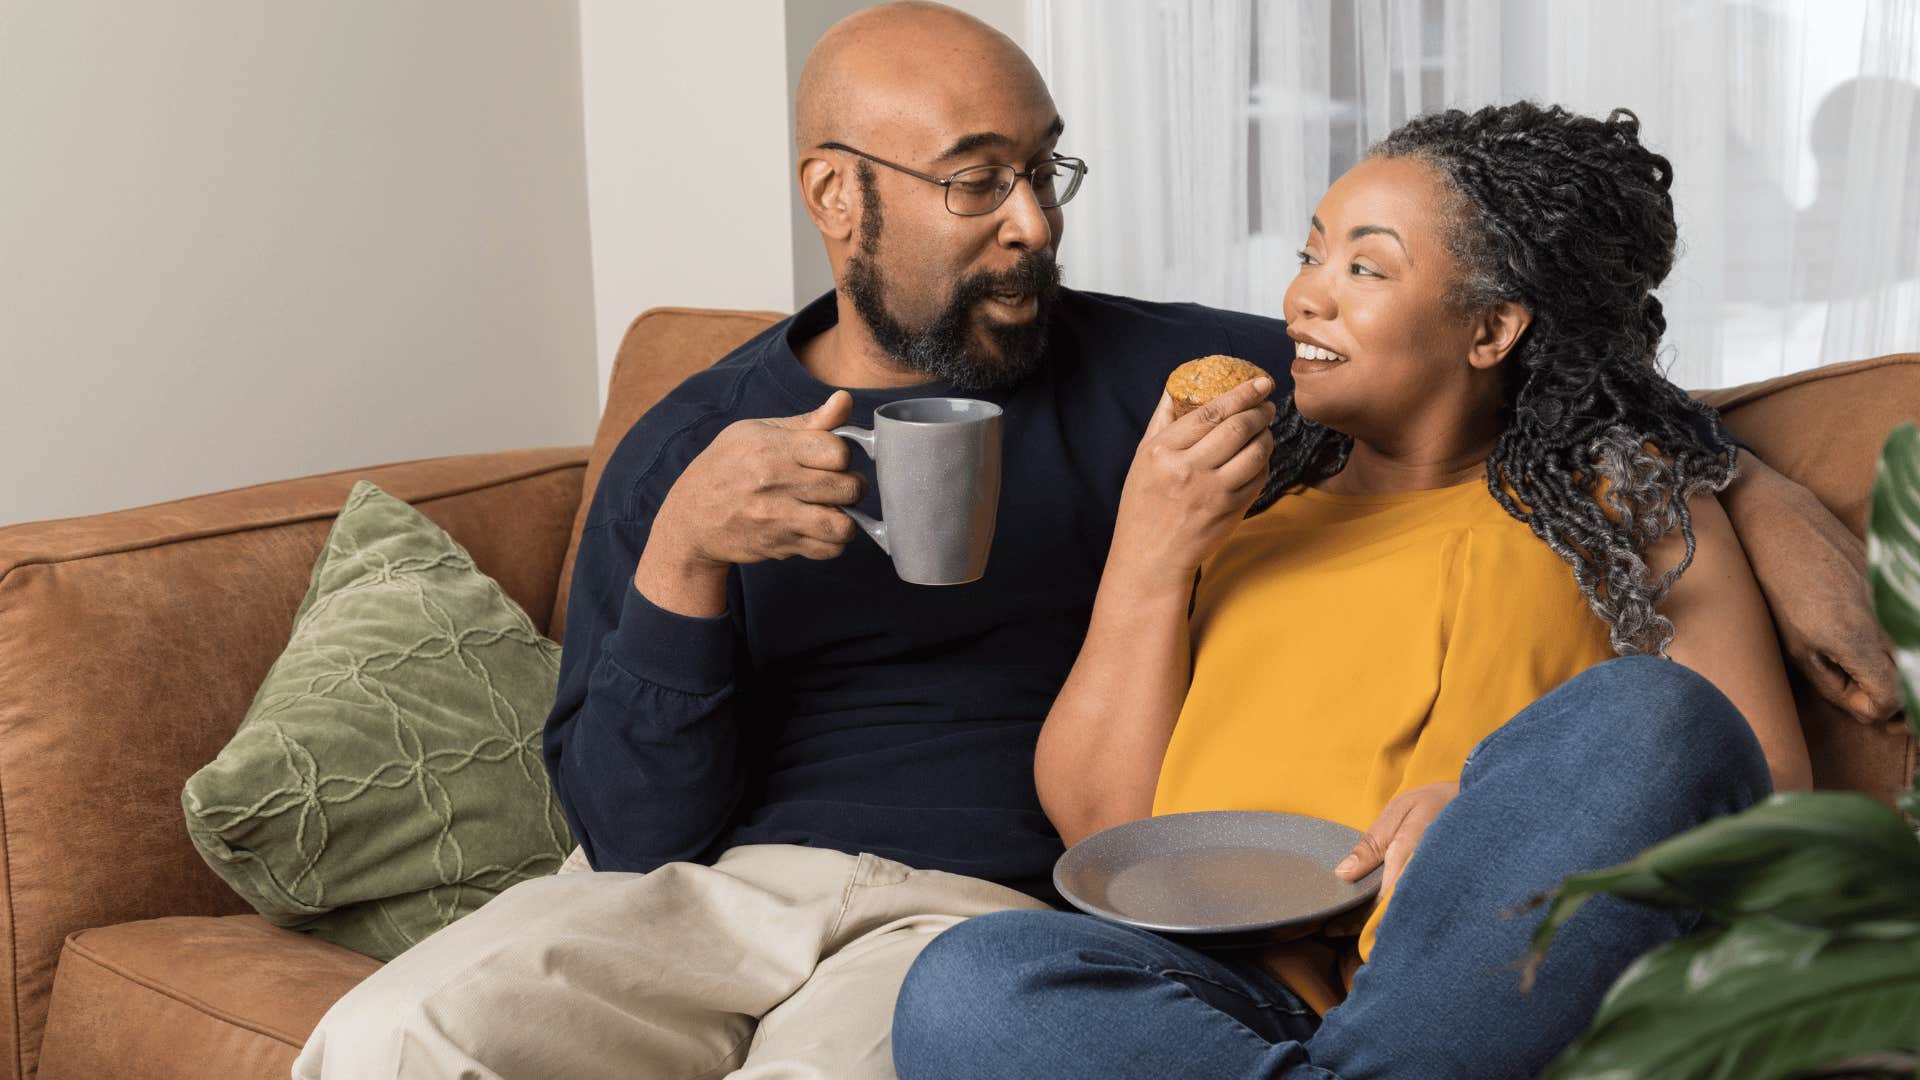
x=1372, y=291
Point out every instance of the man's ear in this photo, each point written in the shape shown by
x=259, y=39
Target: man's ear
x=1496, y=331
x=828, y=196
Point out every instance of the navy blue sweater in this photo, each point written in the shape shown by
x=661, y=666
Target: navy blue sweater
x=833, y=705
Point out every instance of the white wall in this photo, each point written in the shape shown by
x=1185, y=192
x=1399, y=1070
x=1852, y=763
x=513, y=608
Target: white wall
x=690, y=164
x=245, y=241
x=686, y=158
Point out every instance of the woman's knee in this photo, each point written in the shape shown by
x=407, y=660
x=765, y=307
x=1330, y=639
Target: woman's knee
x=972, y=961
x=964, y=986
x=1654, y=718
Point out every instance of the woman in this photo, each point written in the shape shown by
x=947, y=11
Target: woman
x=1481, y=493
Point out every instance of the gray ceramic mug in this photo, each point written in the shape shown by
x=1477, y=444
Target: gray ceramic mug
x=938, y=463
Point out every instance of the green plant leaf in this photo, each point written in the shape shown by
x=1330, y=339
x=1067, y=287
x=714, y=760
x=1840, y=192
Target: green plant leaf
x=1761, y=999
x=1893, y=555
x=1819, y=858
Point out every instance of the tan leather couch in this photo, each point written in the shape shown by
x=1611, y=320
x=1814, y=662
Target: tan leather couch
x=131, y=644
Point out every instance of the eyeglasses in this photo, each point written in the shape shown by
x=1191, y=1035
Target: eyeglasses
x=982, y=188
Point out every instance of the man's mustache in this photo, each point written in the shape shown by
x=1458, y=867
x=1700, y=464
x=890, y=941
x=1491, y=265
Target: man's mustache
x=1037, y=274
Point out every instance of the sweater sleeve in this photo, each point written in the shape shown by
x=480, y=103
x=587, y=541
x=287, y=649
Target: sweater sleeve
x=641, y=743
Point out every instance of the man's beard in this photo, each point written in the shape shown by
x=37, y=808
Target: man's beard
x=945, y=347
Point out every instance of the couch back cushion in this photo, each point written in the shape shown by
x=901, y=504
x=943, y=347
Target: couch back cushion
x=661, y=348
x=1824, y=428
x=131, y=644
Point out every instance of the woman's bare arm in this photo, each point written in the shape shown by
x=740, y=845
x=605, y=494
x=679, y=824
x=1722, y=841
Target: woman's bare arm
x=1190, y=483
x=1101, y=747
x=1723, y=630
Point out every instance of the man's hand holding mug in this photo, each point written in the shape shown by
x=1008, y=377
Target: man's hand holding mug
x=763, y=489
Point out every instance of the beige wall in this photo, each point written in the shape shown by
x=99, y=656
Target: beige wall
x=689, y=153
x=243, y=241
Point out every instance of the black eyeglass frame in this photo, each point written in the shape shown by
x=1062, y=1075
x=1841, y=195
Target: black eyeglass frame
x=1073, y=164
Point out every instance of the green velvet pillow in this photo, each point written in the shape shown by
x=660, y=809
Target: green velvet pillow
x=387, y=779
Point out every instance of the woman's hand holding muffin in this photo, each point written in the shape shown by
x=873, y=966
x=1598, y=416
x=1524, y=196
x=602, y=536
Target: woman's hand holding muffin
x=1193, y=477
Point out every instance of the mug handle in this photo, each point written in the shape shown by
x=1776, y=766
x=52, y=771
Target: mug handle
x=873, y=527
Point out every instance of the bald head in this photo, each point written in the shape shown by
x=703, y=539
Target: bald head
x=922, y=89
x=899, y=73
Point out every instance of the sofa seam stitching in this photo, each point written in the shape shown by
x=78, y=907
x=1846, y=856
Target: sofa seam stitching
x=180, y=996
x=283, y=521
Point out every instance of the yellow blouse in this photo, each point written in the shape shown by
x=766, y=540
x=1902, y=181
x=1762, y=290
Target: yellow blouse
x=1347, y=648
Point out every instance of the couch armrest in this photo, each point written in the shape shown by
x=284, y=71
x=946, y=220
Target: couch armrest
x=131, y=644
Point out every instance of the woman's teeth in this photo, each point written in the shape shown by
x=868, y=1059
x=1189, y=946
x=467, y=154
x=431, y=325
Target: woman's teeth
x=1314, y=352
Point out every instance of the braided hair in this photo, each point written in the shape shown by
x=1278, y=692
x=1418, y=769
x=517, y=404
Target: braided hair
x=1570, y=217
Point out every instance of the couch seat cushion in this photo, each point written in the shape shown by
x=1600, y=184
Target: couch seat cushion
x=231, y=996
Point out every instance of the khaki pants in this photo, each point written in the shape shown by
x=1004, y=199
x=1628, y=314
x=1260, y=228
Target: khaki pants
x=777, y=961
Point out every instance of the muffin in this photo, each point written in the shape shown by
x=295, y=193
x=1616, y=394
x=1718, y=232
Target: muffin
x=1197, y=382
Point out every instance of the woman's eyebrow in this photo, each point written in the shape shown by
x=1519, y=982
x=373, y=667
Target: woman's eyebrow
x=1359, y=231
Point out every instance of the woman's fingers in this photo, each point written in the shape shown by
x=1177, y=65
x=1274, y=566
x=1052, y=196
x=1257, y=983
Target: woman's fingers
x=1249, y=463
x=1424, y=805
x=1162, y=415
x=1395, y=834
x=1371, y=849
x=1401, y=847
x=1201, y=422
x=1233, y=435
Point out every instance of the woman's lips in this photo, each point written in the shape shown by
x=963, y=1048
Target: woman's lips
x=1308, y=351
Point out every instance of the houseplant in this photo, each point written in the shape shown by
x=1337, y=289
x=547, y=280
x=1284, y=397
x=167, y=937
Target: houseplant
x=1807, y=958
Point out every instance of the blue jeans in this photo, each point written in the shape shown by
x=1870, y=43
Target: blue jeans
x=1624, y=755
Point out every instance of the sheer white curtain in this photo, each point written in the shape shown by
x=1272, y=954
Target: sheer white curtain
x=1212, y=127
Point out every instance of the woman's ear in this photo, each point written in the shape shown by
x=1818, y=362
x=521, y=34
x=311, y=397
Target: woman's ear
x=1496, y=331
x=824, y=190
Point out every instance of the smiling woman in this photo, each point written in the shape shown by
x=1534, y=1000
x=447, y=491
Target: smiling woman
x=1486, y=525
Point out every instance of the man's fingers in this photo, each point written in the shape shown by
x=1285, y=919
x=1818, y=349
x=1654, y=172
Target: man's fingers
x=818, y=523
x=825, y=488
x=817, y=550
x=821, y=450
x=1826, y=677
x=1875, y=693
x=1195, y=426
x=1866, y=690
x=830, y=414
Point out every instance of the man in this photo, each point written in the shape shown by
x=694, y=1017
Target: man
x=789, y=774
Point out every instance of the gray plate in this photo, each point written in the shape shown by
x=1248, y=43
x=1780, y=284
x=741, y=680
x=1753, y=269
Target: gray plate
x=1218, y=877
